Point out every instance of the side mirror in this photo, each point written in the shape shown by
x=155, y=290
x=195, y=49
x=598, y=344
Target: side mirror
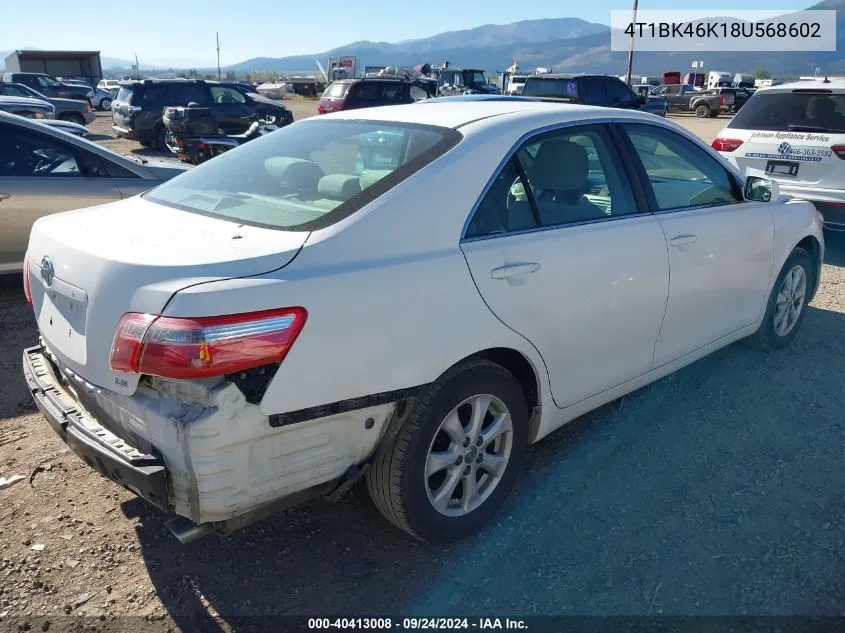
x=641, y=98
x=759, y=189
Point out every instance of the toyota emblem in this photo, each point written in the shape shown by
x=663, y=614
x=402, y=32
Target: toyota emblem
x=47, y=270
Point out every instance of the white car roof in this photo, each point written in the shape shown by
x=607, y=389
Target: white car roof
x=457, y=114
x=837, y=85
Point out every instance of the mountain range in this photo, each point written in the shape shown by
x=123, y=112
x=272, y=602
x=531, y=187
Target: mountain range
x=564, y=44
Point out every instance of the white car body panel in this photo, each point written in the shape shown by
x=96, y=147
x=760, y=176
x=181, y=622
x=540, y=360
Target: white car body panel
x=395, y=298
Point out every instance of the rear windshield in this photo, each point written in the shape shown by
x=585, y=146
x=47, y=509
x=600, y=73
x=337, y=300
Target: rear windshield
x=556, y=88
x=308, y=175
x=792, y=111
x=124, y=95
x=336, y=91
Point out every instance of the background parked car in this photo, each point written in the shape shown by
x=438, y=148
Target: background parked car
x=50, y=86
x=73, y=110
x=137, y=109
x=65, y=126
x=27, y=108
x=111, y=85
x=350, y=94
x=598, y=90
x=44, y=171
x=685, y=98
x=101, y=98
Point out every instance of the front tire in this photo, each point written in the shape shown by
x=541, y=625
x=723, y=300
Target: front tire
x=787, y=304
x=456, y=456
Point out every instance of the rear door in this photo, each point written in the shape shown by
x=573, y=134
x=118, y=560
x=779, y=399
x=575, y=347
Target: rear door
x=619, y=95
x=40, y=175
x=230, y=107
x=364, y=94
x=791, y=135
x=561, y=254
x=592, y=91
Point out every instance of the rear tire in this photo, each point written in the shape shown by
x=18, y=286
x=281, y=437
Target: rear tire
x=105, y=104
x=787, y=305
x=702, y=111
x=161, y=139
x=423, y=482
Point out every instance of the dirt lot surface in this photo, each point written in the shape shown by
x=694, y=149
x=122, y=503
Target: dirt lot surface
x=718, y=490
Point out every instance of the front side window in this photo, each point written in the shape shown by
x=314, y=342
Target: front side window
x=393, y=93
x=418, y=94
x=46, y=82
x=153, y=94
x=681, y=174
x=564, y=177
x=336, y=91
x=24, y=154
x=308, y=175
x=224, y=94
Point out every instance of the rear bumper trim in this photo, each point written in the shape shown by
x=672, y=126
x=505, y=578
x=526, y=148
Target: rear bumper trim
x=102, y=450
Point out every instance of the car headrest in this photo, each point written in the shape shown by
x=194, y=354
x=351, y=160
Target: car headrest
x=561, y=165
x=297, y=173
x=338, y=186
x=369, y=177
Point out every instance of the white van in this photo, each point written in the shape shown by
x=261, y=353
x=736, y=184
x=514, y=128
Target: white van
x=717, y=79
x=796, y=133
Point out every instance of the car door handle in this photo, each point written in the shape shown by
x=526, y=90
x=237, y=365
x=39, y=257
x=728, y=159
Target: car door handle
x=3, y=196
x=683, y=240
x=512, y=270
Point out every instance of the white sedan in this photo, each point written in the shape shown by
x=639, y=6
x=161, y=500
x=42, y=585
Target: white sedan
x=408, y=294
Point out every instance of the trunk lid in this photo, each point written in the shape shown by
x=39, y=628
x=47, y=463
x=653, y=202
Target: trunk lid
x=87, y=268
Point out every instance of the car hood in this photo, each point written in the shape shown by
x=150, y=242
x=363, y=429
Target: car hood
x=24, y=101
x=74, y=104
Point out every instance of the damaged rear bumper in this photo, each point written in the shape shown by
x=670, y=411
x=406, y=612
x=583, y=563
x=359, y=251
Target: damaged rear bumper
x=143, y=474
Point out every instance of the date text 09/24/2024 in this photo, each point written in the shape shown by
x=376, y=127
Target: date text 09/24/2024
x=412, y=624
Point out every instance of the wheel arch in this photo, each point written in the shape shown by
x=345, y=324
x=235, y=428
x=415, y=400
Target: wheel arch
x=813, y=247
x=526, y=375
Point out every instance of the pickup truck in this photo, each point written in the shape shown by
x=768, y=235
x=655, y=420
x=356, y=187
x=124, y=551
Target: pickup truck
x=685, y=98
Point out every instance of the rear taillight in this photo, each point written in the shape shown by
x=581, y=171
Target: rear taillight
x=178, y=347
x=27, y=289
x=725, y=144
x=721, y=99
x=839, y=150
x=321, y=109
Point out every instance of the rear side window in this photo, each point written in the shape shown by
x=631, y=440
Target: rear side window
x=618, y=93
x=594, y=93
x=306, y=176
x=366, y=91
x=553, y=88
x=153, y=94
x=189, y=93
x=393, y=93
x=124, y=94
x=792, y=111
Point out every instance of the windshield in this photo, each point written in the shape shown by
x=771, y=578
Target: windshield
x=556, y=88
x=19, y=90
x=308, y=175
x=792, y=111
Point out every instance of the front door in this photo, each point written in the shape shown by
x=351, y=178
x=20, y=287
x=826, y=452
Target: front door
x=560, y=253
x=720, y=246
x=40, y=175
x=233, y=113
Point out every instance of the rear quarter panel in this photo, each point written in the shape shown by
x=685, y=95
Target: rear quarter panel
x=391, y=304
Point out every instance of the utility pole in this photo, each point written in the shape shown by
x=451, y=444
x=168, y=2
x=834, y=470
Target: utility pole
x=218, y=56
x=631, y=50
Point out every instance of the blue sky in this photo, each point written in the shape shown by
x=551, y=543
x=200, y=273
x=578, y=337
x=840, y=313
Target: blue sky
x=271, y=28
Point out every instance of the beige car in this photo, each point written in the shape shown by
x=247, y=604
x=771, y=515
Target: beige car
x=44, y=170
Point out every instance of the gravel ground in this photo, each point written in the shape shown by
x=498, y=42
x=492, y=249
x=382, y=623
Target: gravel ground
x=717, y=490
